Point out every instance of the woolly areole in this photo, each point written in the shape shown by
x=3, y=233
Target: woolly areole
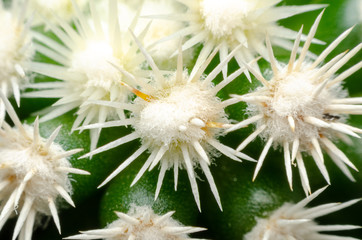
x=141, y=223
x=302, y=107
x=177, y=118
x=34, y=174
x=296, y=221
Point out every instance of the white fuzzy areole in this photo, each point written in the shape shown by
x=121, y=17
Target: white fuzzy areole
x=19, y=156
x=167, y=120
x=87, y=67
x=296, y=221
x=292, y=95
x=147, y=229
x=141, y=223
x=281, y=232
x=221, y=17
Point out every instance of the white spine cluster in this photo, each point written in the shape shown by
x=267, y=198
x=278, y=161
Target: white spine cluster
x=230, y=23
x=295, y=221
x=302, y=107
x=33, y=174
x=15, y=50
x=141, y=223
x=178, y=119
x=86, y=73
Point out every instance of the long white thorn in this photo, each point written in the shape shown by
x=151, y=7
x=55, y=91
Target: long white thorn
x=341, y=165
x=337, y=152
x=345, y=74
x=175, y=172
x=191, y=175
x=12, y=114
x=127, y=162
x=293, y=55
x=316, y=122
x=211, y=181
x=36, y=132
x=164, y=217
x=229, y=152
x=317, y=147
x=308, y=41
x=111, y=232
x=262, y=157
x=7, y=208
x=161, y=176
x=330, y=208
x=199, y=67
x=343, y=61
x=257, y=75
x=200, y=150
x=54, y=212
x=305, y=201
x=330, y=48
x=127, y=218
x=288, y=164
x=128, y=138
x=356, y=100
x=73, y=170
x=23, y=215
x=21, y=188
x=52, y=137
x=344, y=109
x=291, y=123
x=244, y=123
x=29, y=224
x=158, y=156
x=295, y=148
x=144, y=167
x=273, y=61
x=179, y=71
x=221, y=65
x=343, y=129
x=251, y=137
x=150, y=61
x=320, y=88
x=68, y=153
x=320, y=165
x=303, y=174
x=64, y=194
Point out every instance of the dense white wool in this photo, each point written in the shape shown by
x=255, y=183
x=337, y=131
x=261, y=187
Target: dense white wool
x=292, y=95
x=295, y=221
x=178, y=119
x=34, y=174
x=168, y=120
x=230, y=23
x=302, y=106
x=87, y=73
x=45, y=10
x=141, y=223
x=15, y=51
x=19, y=156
